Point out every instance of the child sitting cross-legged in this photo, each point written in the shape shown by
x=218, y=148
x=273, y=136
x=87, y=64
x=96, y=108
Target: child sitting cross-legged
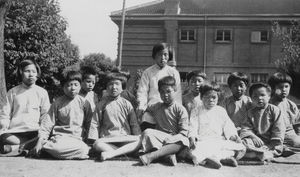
x=64, y=128
x=171, y=126
x=213, y=136
x=263, y=131
x=114, y=125
x=281, y=85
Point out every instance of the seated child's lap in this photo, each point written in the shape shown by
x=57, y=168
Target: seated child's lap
x=216, y=148
x=22, y=137
x=66, y=147
x=154, y=139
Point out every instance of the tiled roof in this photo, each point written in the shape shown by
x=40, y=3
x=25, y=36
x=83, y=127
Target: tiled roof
x=229, y=7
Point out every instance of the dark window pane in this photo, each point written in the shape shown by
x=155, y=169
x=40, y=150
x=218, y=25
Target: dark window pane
x=219, y=35
x=227, y=35
x=184, y=35
x=191, y=35
x=264, y=35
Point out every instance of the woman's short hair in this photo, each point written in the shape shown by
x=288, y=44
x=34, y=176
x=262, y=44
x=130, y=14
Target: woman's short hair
x=25, y=63
x=161, y=46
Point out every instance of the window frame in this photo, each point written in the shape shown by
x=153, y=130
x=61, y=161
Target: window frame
x=187, y=30
x=259, y=76
x=224, y=79
x=223, y=35
x=260, y=41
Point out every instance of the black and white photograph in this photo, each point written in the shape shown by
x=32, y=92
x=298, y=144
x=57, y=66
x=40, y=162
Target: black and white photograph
x=141, y=88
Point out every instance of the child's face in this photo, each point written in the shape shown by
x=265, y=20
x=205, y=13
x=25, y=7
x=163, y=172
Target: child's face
x=29, y=75
x=238, y=88
x=260, y=97
x=72, y=88
x=161, y=58
x=88, y=83
x=114, y=88
x=282, y=90
x=167, y=94
x=195, y=83
x=210, y=99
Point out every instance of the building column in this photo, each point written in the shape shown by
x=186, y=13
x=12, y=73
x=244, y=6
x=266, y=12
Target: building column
x=171, y=27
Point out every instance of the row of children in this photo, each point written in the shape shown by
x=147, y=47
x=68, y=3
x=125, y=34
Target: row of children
x=200, y=130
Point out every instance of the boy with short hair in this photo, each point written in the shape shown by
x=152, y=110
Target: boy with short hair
x=65, y=127
x=171, y=126
x=114, y=125
x=263, y=131
x=281, y=85
x=192, y=101
x=238, y=103
x=88, y=83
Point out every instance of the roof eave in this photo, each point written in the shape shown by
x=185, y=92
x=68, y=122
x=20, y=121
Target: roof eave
x=225, y=17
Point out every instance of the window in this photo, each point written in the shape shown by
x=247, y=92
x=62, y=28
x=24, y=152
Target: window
x=183, y=76
x=221, y=78
x=187, y=35
x=259, y=77
x=286, y=30
x=259, y=36
x=223, y=35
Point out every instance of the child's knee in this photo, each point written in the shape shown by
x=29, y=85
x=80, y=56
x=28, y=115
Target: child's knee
x=9, y=139
x=148, y=132
x=296, y=141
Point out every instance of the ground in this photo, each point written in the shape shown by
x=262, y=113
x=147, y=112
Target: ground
x=24, y=167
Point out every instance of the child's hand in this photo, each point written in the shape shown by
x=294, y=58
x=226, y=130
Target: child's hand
x=3, y=125
x=257, y=141
x=139, y=114
x=235, y=138
x=36, y=151
x=192, y=142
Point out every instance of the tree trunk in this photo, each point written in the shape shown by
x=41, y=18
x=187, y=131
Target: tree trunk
x=4, y=4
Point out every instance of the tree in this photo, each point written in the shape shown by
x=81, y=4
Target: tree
x=290, y=43
x=34, y=29
x=4, y=6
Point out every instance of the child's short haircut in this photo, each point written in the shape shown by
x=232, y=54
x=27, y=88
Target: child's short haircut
x=237, y=76
x=259, y=85
x=71, y=76
x=88, y=70
x=121, y=76
x=161, y=46
x=278, y=78
x=209, y=87
x=195, y=73
x=169, y=81
x=25, y=63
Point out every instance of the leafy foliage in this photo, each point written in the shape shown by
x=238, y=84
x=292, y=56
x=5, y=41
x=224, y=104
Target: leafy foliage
x=290, y=42
x=34, y=29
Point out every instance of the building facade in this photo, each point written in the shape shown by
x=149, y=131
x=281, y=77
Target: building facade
x=217, y=36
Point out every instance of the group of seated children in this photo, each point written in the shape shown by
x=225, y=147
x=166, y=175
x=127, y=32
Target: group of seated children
x=164, y=125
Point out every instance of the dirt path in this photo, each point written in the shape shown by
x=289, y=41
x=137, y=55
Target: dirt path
x=22, y=167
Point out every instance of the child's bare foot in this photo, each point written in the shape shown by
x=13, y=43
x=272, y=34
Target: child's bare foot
x=105, y=155
x=230, y=161
x=213, y=163
x=145, y=160
x=266, y=156
x=172, y=159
